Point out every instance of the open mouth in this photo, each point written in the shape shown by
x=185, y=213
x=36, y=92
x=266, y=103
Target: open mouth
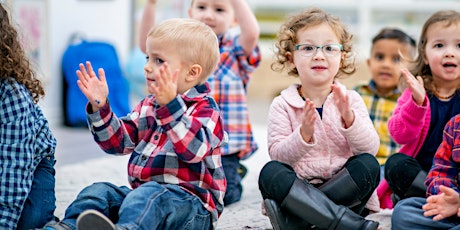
x=449, y=65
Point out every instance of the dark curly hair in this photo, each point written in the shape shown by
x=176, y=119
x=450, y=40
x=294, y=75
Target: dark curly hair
x=14, y=62
x=287, y=39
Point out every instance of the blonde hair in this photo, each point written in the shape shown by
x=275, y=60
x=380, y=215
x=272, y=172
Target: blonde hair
x=448, y=17
x=287, y=39
x=197, y=43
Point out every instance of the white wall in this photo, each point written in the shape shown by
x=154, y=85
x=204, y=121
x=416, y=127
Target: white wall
x=108, y=20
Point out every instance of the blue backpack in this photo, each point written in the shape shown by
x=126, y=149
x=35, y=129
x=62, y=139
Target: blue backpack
x=101, y=55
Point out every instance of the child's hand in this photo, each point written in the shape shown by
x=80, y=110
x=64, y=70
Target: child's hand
x=165, y=86
x=341, y=101
x=415, y=85
x=308, y=120
x=96, y=90
x=443, y=205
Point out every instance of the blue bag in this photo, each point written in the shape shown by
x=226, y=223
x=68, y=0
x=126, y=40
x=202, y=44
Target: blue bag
x=101, y=55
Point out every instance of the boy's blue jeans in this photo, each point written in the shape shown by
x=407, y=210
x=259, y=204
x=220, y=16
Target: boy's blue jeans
x=231, y=163
x=149, y=206
x=408, y=214
x=41, y=202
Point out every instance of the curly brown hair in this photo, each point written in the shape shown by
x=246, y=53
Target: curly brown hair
x=14, y=62
x=448, y=18
x=287, y=39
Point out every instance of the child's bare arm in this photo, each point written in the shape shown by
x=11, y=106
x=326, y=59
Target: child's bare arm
x=147, y=22
x=248, y=24
x=443, y=205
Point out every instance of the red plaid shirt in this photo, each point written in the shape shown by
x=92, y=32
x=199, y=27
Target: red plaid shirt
x=446, y=161
x=178, y=143
x=228, y=87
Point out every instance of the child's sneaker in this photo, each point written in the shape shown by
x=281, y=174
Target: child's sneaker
x=94, y=220
x=242, y=171
x=54, y=225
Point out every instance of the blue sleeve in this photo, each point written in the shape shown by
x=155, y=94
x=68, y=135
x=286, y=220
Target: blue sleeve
x=16, y=152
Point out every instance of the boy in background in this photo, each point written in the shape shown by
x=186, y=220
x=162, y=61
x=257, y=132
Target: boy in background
x=391, y=49
x=174, y=137
x=239, y=56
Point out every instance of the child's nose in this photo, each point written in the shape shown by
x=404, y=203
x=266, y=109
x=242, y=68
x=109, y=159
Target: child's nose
x=450, y=53
x=148, y=68
x=208, y=14
x=387, y=62
x=319, y=54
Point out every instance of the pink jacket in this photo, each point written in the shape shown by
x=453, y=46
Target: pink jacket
x=332, y=144
x=408, y=126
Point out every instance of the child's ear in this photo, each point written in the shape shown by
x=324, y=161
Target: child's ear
x=425, y=60
x=290, y=58
x=194, y=73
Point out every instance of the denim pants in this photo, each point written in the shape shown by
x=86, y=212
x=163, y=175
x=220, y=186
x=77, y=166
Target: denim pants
x=41, y=201
x=149, y=206
x=231, y=163
x=408, y=214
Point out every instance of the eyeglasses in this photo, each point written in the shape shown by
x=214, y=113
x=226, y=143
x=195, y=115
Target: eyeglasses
x=309, y=50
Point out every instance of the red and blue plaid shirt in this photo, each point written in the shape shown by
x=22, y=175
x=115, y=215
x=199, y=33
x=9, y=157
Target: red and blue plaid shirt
x=179, y=143
x=446, y=161
x=228, y=87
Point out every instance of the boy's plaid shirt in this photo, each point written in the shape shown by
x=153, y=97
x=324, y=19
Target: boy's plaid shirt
x=446, y=162
x=380, y=110
x=179, y=143
x=228, y=87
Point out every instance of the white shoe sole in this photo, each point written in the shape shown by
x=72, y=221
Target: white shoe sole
x=94, y=220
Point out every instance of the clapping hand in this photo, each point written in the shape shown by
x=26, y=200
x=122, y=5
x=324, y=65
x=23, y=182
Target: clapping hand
x=165, y=86
x=343, y=105
x=442, y=205
x=95, y=89
x=415, y=84
x=308, y=120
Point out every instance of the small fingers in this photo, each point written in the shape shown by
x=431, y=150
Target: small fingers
x=101, y=73
x=160, y=78
x=438, y=217
x=82, y=77
x=175, y=76
x=406, y=73
x=83, y=69
x=90, y=69
x=420, y=80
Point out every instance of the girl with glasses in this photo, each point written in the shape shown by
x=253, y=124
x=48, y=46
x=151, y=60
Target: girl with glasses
x=321, y=140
